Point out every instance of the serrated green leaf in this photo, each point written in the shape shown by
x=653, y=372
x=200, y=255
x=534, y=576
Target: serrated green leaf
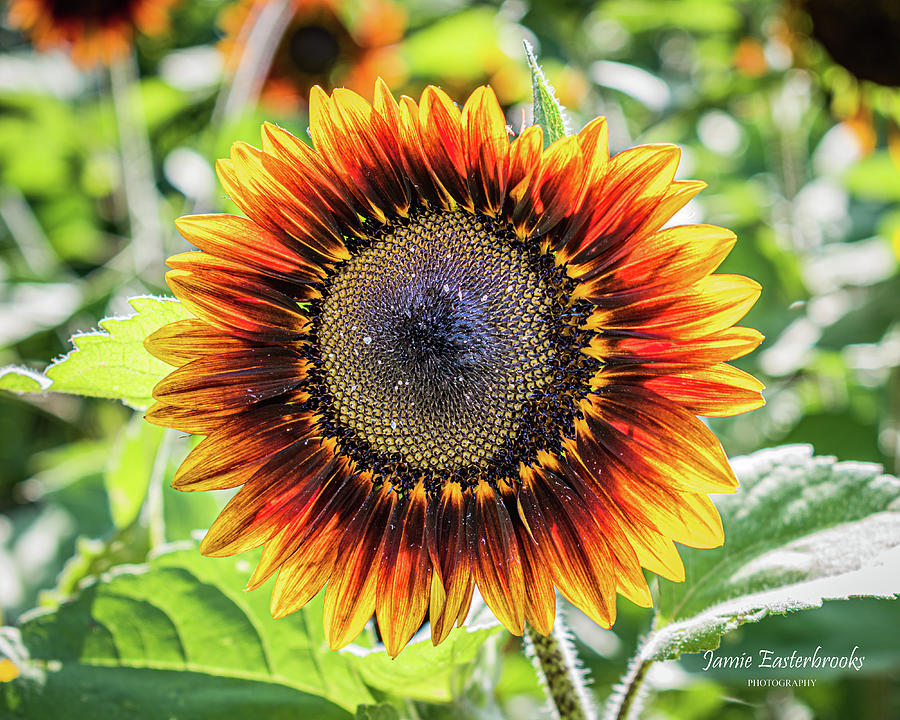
x=177, y=638
x=22, y=380
x=548, y=112
x=801, y=530
x=114, y=364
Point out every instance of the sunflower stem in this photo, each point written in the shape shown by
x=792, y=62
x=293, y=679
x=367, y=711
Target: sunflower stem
x=628, y=699
x=141, y=194
x=557, y=667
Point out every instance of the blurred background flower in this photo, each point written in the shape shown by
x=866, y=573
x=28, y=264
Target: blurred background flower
x=90, y=30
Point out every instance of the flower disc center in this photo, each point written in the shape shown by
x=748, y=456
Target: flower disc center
x=433, y=338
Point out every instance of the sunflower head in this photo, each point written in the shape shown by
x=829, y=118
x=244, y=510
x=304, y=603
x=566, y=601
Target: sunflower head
x=92, y=31
x=437, y=359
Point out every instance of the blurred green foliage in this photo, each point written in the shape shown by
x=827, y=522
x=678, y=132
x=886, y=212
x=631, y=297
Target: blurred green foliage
x=812, y=195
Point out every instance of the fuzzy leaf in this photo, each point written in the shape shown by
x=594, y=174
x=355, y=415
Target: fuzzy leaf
x=801, y=530
x=404, y=675
x=111, y=363
x=176, y=638
x=22, y=380
x=548, y=112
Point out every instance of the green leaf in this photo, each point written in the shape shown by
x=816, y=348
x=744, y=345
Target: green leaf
x=111, y=364
x=403, y=675
x=548, y=113
x=801, y=530
x=383, y=711
x=130, y=468
x=22, y=380
x=177, y=638
x=183, y=618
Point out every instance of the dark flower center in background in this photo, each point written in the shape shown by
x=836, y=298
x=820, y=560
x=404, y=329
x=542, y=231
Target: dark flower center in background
x=445, y=345
x=89, y=9
x=314, y=49
x=864, y=37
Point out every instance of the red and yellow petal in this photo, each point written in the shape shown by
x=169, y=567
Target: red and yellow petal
x=351, y=593
x=496, y=558
x=404, y=572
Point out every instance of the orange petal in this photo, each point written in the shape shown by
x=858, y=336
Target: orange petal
x=350, y=594
x=716, y=391
x=487, y=150
x=355, y=142
x=496, y=560
x=524, y=160
x=184, y=340
x=232, y=379
x=272, y=495
x=243, y=241
x=569, y=544
x=554, y=191
x=669, y=260
x=708, y=306
x=540, y=595
x=235, y=450
x=404, y=574
x=634, y=185
x=440, y=125
x=634, y=420
x=237, y=306
x=324, y=510
x=451, y=589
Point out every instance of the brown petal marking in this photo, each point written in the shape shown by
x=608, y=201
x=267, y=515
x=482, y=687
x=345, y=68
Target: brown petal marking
x=350, y=593
x=243, y=241
x=232, y=379
x=404, y=574
x=496, y=560
x=448, y=550
x=229, y=455
x=440, y=128
x=181, y=341
x=242, y=308
x=486, y=150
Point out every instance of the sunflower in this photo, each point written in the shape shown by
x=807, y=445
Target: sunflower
x=321, y=45
x=91, y=30
x=435, y=359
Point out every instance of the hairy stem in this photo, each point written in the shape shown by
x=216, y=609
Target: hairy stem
x=556, y=665
x=627, y=702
